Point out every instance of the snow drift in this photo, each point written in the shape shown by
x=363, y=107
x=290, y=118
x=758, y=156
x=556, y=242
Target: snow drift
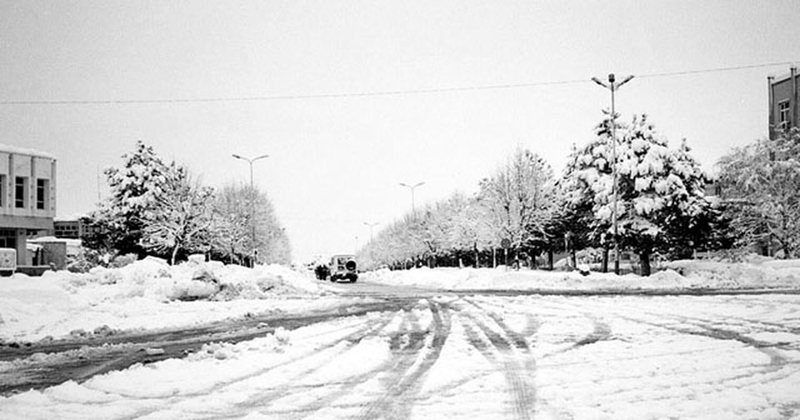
x=146, y=294
x=679, y=276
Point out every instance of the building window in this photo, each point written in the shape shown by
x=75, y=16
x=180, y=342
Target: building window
x=42, y=189
x=20, y=188
x=783, y=115
x=2, y=190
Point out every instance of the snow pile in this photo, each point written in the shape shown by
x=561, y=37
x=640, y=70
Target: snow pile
x=753, y=274
x=146, y=294
x=680, y=276
x=153, y=278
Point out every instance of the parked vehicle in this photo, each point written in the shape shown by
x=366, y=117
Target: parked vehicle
x=8, y=261
x=343, y=267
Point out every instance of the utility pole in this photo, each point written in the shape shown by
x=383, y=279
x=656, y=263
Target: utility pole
x=254, y=252
x=412, y=188
x=613, y=86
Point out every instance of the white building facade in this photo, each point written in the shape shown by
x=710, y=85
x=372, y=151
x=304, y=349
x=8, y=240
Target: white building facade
x=27, y=197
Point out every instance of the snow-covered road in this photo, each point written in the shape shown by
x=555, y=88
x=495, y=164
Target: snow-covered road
x=475, y=356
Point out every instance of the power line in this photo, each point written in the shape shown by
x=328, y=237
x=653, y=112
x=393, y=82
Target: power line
x=265, y=98
x=715, y=70
x=295, y=97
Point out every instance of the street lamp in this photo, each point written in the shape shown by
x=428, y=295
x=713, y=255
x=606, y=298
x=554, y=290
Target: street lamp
x=252, y=204
x=613, y=86
x=371, y=225
x=412, y=187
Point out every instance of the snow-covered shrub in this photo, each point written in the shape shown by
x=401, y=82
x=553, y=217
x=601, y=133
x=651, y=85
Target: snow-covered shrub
x=120, y=261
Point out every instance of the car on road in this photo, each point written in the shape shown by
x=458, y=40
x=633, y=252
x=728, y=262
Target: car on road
x=341, y=267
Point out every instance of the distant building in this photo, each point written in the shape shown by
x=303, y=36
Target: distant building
x=73, y=227
x=67, y=229
x=27, y=198
x=784, y=111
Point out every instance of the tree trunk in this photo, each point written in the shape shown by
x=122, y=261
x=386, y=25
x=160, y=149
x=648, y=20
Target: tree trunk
x=574, y=258
x=604, y=267
x=174, y=253
x=644, y=260
x=550, y=259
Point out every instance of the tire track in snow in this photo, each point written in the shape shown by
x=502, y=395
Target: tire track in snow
x=775, y=370
x=405, y=338
x=517, y=339
x=501, y=351
x=406, y=344
x=255, y=400
x=406, y=377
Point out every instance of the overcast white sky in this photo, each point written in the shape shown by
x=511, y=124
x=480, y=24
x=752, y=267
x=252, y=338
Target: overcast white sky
x=336, y=162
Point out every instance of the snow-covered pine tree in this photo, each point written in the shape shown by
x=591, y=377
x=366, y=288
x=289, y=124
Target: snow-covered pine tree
x=134, y=189
x=761, y=188
x=575, y=218
x=657, y=189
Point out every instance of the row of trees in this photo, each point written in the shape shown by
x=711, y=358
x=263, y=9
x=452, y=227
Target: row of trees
x=158, y=208
x=661, y=205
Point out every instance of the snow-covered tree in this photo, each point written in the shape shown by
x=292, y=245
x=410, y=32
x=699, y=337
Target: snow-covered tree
x=231, y=215
x=574, y=221
x=233, y=234
x=471, y=231
x=519, y=198
x=180, y=218
x=660, y=192
x=134, y=189
x=761, y=188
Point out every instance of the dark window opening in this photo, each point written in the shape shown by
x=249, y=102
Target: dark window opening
x=19, y=192
x=42, y=188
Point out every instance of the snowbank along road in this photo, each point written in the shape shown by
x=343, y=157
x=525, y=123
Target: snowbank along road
x=406, y=353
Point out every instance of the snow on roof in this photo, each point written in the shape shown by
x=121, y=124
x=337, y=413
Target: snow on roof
x=74, y=217
x=44, y=239
x=24, y=151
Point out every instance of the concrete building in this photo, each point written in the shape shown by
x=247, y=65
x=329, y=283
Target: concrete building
x=27, y=198
x=784, y=111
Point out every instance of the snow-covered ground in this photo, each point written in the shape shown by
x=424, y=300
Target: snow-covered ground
x=479, y=357
x=442, y=355
x=694, y=275
x=149, y=294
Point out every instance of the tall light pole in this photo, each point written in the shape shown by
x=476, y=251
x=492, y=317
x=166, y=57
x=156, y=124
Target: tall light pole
x=613, y=86
x=412, y=188
x=252, y=206
x=371, y=225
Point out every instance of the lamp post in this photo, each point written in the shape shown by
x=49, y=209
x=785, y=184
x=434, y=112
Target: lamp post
x=613, y=86
x=252, y=205
x=371, y=225
x=412, y=188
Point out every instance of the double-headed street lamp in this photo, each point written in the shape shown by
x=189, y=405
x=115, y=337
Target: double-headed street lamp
x=412, y=187
x=371, y=225
x=613, y=86
x=252, y=205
